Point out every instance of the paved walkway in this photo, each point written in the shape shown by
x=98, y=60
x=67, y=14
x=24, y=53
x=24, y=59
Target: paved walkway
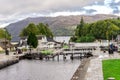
x=4, y=57
x=94, y=71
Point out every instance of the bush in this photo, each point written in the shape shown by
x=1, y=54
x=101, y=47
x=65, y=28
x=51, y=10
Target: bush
x=87, y=38
x=65, y=46
x=47, y=52
x=73, y=39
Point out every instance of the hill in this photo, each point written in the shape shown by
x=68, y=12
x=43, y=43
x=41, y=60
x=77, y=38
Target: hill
x=61, y=25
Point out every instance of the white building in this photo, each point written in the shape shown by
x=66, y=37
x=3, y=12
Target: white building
x=43, y=42
x=118, y=38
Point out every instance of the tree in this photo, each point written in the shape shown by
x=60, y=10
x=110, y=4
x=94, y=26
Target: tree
x=4, y=34
x=40, y=29
x=44, y=30
x=103, y=29
x=79, y=28
x=111, y=30
x=31, y=28
x=32, y=40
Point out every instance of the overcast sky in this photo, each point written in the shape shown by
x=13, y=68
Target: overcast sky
x=15, y=10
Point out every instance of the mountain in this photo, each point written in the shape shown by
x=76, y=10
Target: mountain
x=61, y=25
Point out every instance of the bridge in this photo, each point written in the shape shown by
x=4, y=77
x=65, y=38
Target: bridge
x=77, y=52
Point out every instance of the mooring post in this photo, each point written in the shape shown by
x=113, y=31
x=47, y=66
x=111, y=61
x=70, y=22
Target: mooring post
x=48, y=57
x=64, y=57
x=58, y=57
x=71, y=57
x=80, y=55
x=53, y=58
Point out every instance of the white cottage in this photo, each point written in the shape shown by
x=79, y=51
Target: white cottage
x=43, y=42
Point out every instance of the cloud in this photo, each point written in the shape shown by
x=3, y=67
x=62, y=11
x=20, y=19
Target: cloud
x=100, y=9
x=15, y=10
x=116, y=1
x=27, y=6
x=109, y=7
x=66, y=13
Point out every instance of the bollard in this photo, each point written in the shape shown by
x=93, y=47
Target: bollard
x=71, y=57
x=53, y=58
x=64, y=57
x=58, y=57
x=111, y=78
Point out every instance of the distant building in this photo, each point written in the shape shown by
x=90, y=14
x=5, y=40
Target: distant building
x=43, y=42
x=118, y=38
x=5, y=44
x=1, y=49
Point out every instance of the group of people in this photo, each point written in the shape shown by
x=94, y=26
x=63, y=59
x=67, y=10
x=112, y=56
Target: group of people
x=18, y=51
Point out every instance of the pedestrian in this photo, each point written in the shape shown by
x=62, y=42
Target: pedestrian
x=110, y=49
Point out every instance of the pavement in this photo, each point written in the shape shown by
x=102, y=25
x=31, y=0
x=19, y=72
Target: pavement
x=11, y=55
x=4, y=57
x=94, y=71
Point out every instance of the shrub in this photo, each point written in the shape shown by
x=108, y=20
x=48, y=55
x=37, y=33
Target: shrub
x=87, y=38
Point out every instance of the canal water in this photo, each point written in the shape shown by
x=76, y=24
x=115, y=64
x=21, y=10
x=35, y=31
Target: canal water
x=40, y=70
x=62, y=38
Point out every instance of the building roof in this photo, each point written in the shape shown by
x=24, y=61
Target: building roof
x=50, y=39
x=38, y=36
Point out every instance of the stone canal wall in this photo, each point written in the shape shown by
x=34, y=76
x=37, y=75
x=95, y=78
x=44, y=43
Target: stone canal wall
x=82, y=70
x=8, y=61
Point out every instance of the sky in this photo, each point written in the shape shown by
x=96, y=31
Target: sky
x=15, y=10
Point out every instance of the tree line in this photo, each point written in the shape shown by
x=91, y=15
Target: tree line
x=39, y=29
x=32, y=30
x=103, y=29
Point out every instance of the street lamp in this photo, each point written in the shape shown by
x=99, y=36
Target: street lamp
x=6, y=51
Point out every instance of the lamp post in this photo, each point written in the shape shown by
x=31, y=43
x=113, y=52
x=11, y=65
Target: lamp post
x=6, y=51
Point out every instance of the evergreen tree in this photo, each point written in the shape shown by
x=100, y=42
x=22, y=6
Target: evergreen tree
x=32, y=40
x=79, y=28
x=31, y=28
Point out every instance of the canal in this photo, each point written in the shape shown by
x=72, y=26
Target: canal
x=40, y=70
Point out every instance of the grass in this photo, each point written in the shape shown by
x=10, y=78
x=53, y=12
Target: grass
x=65, y=46
x=1, y=52
x=111, y=68
x=47, y=52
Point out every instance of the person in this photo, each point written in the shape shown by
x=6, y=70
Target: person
x=7, y=52
x=19, y=51
x=111, y=49
x=16, y=50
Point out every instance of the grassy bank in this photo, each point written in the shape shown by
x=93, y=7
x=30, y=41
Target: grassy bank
x=111, y=68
